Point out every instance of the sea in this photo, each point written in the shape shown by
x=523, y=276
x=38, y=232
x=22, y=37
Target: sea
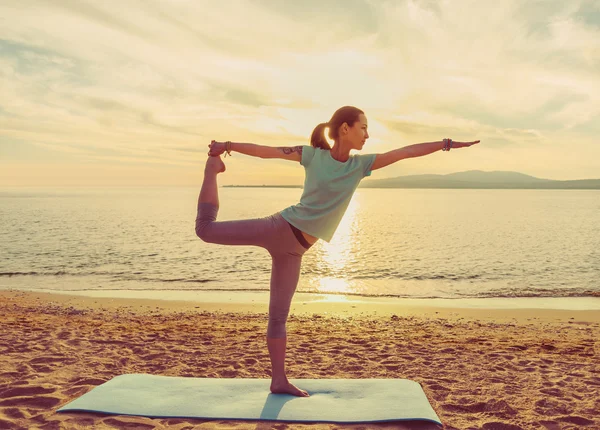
x=404, y=243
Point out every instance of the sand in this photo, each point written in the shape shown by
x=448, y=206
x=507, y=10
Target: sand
x=481, y=369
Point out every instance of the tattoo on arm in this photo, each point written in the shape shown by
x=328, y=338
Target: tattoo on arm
x=287, y=150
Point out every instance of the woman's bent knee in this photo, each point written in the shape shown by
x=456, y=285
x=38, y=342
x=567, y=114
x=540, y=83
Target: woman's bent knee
x=202, y=230
x=207, y=213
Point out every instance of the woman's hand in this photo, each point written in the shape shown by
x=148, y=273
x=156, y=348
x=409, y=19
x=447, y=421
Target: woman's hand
x=216, y=148
x=456, y=144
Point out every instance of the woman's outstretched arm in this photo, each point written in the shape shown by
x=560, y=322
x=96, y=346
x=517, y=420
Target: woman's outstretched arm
x=416, y=150
x=293, y=153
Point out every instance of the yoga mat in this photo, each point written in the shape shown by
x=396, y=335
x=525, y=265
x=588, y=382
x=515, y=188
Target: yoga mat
x=331, y=400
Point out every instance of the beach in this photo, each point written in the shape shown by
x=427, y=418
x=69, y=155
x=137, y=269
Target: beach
x=481, y=368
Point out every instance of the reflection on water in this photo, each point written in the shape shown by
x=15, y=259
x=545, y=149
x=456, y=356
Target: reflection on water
x=334, y=298
x=337, y=255
x=333, y=285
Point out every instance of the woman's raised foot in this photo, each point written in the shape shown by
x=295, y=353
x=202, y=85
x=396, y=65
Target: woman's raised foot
x=214, y=165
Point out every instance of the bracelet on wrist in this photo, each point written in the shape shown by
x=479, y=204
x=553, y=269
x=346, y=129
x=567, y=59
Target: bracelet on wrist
x=447, y=144
x=228, y=148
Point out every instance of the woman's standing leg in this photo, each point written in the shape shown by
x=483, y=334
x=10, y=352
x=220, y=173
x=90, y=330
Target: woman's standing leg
x=285, y=274
x=286, y=253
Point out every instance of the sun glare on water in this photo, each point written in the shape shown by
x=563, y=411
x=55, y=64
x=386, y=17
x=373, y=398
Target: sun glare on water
x=337, y=254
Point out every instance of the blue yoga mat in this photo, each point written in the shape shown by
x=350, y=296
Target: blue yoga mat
x=331, y=400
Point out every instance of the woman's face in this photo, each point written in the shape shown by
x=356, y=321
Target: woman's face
x=358, y=134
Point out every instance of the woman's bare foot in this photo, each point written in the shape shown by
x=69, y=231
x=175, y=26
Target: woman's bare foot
x=214, y=165
x=287, y=388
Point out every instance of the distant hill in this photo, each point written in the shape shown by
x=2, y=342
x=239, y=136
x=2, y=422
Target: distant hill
x=469, y=179
x=481, y=179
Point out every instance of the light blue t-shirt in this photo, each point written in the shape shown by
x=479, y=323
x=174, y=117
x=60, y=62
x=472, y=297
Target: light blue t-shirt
x=328, y=188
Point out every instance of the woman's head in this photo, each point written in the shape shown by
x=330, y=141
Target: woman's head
x=348, y=125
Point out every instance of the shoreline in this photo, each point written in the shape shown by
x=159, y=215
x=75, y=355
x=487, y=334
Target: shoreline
x=558, y=310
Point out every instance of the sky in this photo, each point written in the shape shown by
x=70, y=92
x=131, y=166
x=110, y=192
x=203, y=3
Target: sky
x=130, y=93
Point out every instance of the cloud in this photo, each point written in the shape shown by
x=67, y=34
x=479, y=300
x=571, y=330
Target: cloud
x=148, y=82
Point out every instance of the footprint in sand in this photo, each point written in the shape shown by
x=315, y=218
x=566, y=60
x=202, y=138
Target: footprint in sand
x=250, y=361
x=41, y=368
x=15, y=414
x=152, y=357
x=25, y=391
x=392, y=367
x=6, y=424
x=48, y=363
x=336, y=350
x=593, y=381
x=500, y=426
x=579, y=421
x=471, y=408
x=501, y=408
x=408, y=357
x=354, y=368
x=75, y=391
x=235, y=364
x=550, y=425
x=124, y=423
x=36, y=401
x=437, y=387
x=7, y=376
x=64, y=335
x=555, y=392
x=446, y=380
x=518, y=347
x=46, y=359
x=228, y=373
x=550, y=407
x=88, y=381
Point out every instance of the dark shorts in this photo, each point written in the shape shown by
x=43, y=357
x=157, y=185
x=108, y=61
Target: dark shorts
x=300, y=237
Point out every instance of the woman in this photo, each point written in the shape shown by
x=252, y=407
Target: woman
x=332, y=175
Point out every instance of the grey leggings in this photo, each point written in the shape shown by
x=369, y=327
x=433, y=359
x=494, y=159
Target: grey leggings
x=274, y=234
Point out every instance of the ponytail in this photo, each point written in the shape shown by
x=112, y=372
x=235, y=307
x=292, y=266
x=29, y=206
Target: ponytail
x=345, y=114
x=317, y=138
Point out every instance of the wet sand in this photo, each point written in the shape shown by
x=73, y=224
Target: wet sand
x=480, y=368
